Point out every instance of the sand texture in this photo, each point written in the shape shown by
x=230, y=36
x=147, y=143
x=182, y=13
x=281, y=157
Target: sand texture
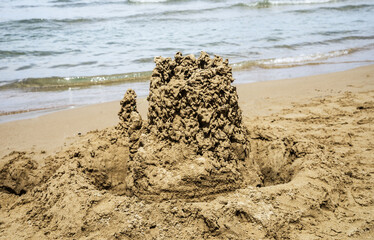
x=298, y=163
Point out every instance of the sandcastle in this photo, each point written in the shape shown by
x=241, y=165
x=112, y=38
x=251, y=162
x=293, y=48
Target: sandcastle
x=193, y=143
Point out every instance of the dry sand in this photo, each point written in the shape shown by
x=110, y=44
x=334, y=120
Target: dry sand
x=311, y=137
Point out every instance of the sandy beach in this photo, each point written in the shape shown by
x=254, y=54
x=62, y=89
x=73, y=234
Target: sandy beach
x=312, y=139
x=169, y=119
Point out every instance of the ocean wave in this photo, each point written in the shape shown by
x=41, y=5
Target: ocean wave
x=60, y=1
x=214, y=4
x=2, y=83
x=73, y=65
x=144, y=60
x=346, y=38
x=68, y=3
x=348, y=7
x=297, y=2
x=288, y=62
x=245, y=5
x=344, y=8
x=336, y=32
x=63, y=83
x=156, y=15
x=5, y=113
x=269, y=3
x=324, y=42
x=33, y=21
x=25, y=67
x=7, y=54
x=74, y=4
x=248, y=3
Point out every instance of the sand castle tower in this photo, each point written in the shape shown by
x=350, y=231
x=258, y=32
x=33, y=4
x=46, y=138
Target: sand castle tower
x=130, y=120
x=194, y=143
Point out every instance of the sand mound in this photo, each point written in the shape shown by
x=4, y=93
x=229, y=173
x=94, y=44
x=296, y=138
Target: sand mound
x=20, y=172
x=194, y=143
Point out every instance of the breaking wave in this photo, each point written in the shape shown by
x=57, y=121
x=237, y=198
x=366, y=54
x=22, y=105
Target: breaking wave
x=61, y=83
x=288, y=62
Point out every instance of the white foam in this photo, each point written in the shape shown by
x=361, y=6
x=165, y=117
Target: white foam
x=306, y=58
x=296, y=2
x=285, y=62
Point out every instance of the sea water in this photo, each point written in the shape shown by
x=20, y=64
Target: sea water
x=57, y=54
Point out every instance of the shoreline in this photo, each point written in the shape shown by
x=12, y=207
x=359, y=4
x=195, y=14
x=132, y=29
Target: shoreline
x=52, y=131
x=141, y=87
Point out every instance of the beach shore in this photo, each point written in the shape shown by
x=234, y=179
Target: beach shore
x=63, y=175
x=52, y=131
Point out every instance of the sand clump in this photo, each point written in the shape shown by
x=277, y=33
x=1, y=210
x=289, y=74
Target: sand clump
x=193, y=143
x=21, y=171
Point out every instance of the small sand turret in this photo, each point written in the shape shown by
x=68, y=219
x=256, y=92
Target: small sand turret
x=130, y=120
